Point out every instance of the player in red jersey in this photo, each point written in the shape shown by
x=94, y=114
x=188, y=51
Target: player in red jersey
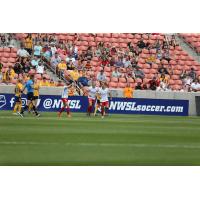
x=92, y=91
x=64, y=98
x=104, y=93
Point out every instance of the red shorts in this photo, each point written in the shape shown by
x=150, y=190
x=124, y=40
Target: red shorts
x=91, y=101
x=64, y=100
x=105, y=104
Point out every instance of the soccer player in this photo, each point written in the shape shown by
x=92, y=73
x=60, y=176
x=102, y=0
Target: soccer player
x=97, y=104
x=29, y=86
x=64, y=98
x=92, y=91
x=18, y=100
x=36, y=88
x=104, y=93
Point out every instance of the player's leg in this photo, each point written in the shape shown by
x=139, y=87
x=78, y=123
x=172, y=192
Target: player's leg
x=16, y=105
x=34, y=108
x=89, y=109
x=63, y=107
x=97, y=106
x=102, y=109
x=68, y=109
x=106, y=108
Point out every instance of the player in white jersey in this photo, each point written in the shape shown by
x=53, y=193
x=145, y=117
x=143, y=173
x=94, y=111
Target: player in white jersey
x=64, y=98
x=92, y=91
x=104, y=93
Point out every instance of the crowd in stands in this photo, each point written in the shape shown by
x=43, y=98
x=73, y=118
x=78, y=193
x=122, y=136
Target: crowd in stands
x=142, y=62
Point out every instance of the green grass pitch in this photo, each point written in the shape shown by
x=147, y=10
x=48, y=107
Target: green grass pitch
x=114, y=140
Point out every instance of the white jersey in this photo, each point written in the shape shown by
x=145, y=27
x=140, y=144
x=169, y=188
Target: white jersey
x=64, y=94
x=104, y=94
x=92, y=92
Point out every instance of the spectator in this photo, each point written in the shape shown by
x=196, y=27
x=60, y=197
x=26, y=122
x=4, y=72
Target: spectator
x=88, y=66
x=154, y=83
x=141, y=44
x=138, y=86
x=40, y=68
x=195, y=86
x=162, y=70
x=183, y=74
x=37, y=49
x=119, y=62
x=150, y=60
x=55, y=60
x=162, y=87
x=101, y=77
x=159, y=55
x=18, y=68
x=9, y=75
x=163, y=78
x=61, y=67
x=22, y=52
x=116, y=73
x=83, y=80
x=44, y=82
x=59, y=84
x=104, y=59
x=166, y=55
x=89, y=53
x=187, y=83
x=53, y=49
x=192, y=74
x=28, y=43
x=35, y=61
x=75, y=74
x=128, y=91
x=70, y=65
x=52, y=83
x=126, y=62
x=139, y=73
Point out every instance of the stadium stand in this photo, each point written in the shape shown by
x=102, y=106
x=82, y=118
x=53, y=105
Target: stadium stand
x=154, y=60
x=193, y=39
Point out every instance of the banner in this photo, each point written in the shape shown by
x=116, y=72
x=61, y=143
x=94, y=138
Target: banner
x=52, y=103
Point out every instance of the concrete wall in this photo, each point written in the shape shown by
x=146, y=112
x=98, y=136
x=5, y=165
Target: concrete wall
x=119, y=93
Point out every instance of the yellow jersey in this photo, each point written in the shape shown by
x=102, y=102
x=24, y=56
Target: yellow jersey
x=28, y=43
x=36, y=90
x=75, y=75
x=44, y=83
x=128, y=92
x=62, y=66
x=18, y=89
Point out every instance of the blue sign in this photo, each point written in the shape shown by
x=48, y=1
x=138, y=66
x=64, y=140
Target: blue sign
x=52, y=103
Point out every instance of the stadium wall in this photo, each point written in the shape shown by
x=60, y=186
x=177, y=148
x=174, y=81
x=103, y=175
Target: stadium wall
x=119, y=93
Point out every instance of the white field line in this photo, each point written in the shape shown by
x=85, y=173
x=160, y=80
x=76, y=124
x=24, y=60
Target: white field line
x=97, y=119
x=184, y=146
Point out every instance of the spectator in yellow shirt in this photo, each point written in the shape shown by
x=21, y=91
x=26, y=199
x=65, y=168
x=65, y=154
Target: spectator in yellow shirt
x=128, y=91
x=150, y=60
x=75, y=74
x=28, y=44
x=61, y=66
x=44, y=82
x=9, y=75
x=52, y=83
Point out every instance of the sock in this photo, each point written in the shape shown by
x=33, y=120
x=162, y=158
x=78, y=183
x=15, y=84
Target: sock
x=16, y=107
x=62, y=109
x=20, y=107
x=68, y=110
x=34, y=109
x=22, y=110
x=102, y=110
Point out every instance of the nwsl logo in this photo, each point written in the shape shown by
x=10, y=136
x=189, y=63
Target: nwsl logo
x=2, y=101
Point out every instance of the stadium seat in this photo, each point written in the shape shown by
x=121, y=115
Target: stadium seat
x=122, y=80
x=113, y=79
x=113, y=84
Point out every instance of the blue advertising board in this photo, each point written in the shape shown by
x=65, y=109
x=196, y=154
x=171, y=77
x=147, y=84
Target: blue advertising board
x=52, y=103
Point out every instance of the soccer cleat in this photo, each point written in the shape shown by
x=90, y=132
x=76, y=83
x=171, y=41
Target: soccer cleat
x=15, y=114
x=18, y=113
x=69, y=115
x=102, y=116
x=37, y=115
